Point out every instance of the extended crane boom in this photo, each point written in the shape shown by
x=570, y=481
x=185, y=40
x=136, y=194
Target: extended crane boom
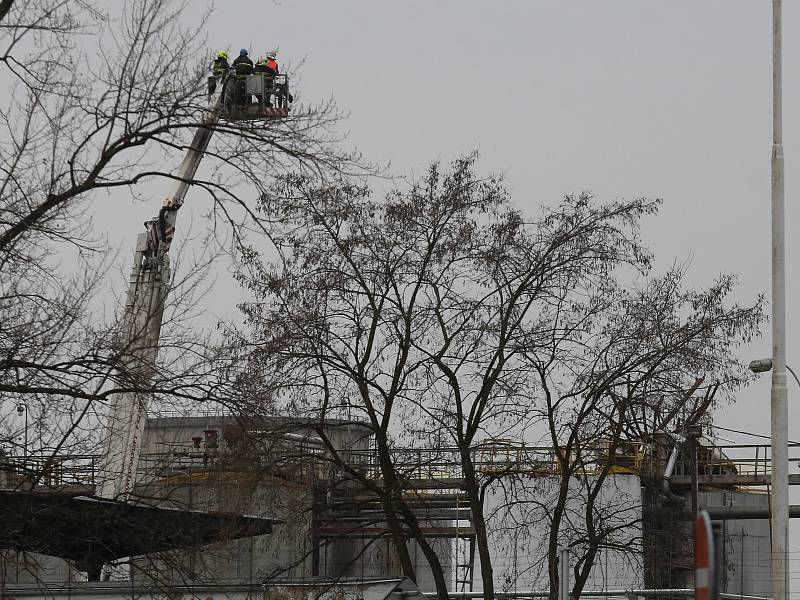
x=143, y=314
x=150, y=278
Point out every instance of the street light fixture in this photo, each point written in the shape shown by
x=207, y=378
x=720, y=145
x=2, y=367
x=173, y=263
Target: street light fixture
x=762, y=365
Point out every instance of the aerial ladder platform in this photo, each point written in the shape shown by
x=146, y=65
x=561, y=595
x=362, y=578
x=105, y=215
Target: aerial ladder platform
x=237, y=98
x=97, y=529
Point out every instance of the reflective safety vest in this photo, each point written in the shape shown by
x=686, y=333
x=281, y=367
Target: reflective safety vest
x=220, y=66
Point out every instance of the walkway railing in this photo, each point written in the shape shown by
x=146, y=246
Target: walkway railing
x=748, y=462
x=744, y=460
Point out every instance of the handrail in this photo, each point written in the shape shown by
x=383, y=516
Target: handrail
x=488, y=458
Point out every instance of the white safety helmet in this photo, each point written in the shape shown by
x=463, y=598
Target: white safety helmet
x=272, y=54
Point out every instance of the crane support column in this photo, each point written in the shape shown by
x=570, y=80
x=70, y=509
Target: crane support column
x=141, y=330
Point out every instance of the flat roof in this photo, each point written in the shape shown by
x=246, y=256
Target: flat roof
x=93, y=531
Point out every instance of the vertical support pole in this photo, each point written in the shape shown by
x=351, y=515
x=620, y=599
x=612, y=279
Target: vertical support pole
x=315, y=555
x=741, y=563
x=25, y=447
x=563, y=573
x=458, y=542
x=692, y=435
x=318, y=505
x=719, y=543
x=779, y=413
x=471, y=569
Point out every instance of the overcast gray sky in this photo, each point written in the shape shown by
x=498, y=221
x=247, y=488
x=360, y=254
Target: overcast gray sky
x=624, y=98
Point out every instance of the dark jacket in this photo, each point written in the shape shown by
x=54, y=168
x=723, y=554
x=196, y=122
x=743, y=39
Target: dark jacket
x=243, y=65
x=220, y=66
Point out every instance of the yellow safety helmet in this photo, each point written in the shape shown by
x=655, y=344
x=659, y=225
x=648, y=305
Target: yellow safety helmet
x=222, y=54
x=272, y=54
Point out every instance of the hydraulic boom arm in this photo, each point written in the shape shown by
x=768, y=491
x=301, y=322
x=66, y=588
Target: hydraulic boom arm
x=143, y=314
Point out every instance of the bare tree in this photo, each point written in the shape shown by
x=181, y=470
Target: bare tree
x=101, y=102
x=442, y=316
x=77, y=127
x=612, y=375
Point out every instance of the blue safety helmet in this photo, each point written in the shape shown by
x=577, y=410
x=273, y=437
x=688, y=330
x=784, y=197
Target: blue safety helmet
x=243, y=52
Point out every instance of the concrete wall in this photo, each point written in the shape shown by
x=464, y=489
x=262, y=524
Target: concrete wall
x=746, y=549
x=31, y=568
x=284, y=553
x=356, y=558
x=519, y=532
x=227, y=479
x=518, y=537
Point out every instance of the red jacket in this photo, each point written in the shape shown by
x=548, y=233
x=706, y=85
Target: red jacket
x=272, y=64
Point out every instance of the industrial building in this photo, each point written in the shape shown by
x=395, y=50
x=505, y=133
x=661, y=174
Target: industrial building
x=328, y=526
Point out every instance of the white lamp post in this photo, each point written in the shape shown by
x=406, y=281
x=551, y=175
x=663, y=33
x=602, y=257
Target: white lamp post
x=779, y=413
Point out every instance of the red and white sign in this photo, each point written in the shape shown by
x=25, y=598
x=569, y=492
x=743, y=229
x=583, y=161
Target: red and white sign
x=703, y=557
